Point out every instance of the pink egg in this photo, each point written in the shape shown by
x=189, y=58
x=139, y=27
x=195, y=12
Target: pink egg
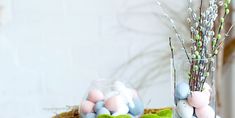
x=114, y=103
x=95, y=95
x=87, y=107
x=198, y=99
x=207, y=92
x=205, y=112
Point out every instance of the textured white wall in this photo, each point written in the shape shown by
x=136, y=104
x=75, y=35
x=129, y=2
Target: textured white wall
x=51, y=49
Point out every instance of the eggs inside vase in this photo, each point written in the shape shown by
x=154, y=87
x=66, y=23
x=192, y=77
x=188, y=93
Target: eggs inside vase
x=191, y=104
x=111, y=98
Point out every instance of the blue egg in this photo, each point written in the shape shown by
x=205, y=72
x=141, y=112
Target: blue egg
x=138, y=109
x=103, y=111
x=182, y=91
x=90, y=115
x=98, y=106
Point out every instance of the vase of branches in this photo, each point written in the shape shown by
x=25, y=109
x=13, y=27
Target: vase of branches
x=194, y=72
x=195, y=90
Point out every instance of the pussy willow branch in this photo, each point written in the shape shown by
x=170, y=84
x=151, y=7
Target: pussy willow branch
x=174, y=28
x=222, y=42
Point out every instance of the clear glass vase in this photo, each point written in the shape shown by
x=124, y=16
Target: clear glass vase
x=194, y=88
x=110, y=97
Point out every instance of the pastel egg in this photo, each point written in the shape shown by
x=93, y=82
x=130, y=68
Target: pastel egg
x=207, y=89
x=87, y=107
x=183, y=109
x=138, y=108
x=207, y=93
x=176, y=115
x=127, y=97
x=95, y=95
x=90, y=115
x=206, y=86
x=98, y=106
x=205, y=112
x=111, y=94
x=182, y=91
x=198, y=99
x=103, y=111
x=113, y=103
x=118, y=85
x=123, y=109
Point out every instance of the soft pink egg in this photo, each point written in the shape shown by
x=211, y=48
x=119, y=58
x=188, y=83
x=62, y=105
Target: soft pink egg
x=87, y=107
x=207, y=89
x=205, y=112
x=114, y=103
x=198, y=99
x=95, y=95
x=207, y=92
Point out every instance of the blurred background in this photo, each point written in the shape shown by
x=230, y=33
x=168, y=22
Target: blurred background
x=50, y=51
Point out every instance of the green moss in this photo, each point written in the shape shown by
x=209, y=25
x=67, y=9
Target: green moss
x=105, y=116
x=109, y=116
x=162, y=114
x=167, y=113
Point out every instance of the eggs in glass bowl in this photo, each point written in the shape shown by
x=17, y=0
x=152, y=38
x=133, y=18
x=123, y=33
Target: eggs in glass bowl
x=107, y=97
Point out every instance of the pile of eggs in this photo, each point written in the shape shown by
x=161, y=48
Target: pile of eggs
x=120, y=100
x=187, y=100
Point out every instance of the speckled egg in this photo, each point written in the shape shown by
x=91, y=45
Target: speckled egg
x=184, y=110
x=138, y=108
x=198, y=99
x=182, y=91
x=123, y=109
x=98, y=106
x=176, y=115
x=103, y=111
x=90, y=115
x=87, y=107
x=95, y=95
x=205, y=112
x=113, y=103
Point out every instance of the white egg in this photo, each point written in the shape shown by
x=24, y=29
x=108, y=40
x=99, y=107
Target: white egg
x=184, y=110
x=176, y=115
x=127, y=97
x=207, y=87
x=122, y=110
x=125, y=92
x=111, y=94
x=119, y=86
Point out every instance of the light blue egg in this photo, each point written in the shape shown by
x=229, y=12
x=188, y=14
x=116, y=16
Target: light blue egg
x=90, y=115
x=138, y=109
x=103, y=111
x=98, y=106
x=182, y=91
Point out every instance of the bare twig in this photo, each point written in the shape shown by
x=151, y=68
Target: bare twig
x=173, y=61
